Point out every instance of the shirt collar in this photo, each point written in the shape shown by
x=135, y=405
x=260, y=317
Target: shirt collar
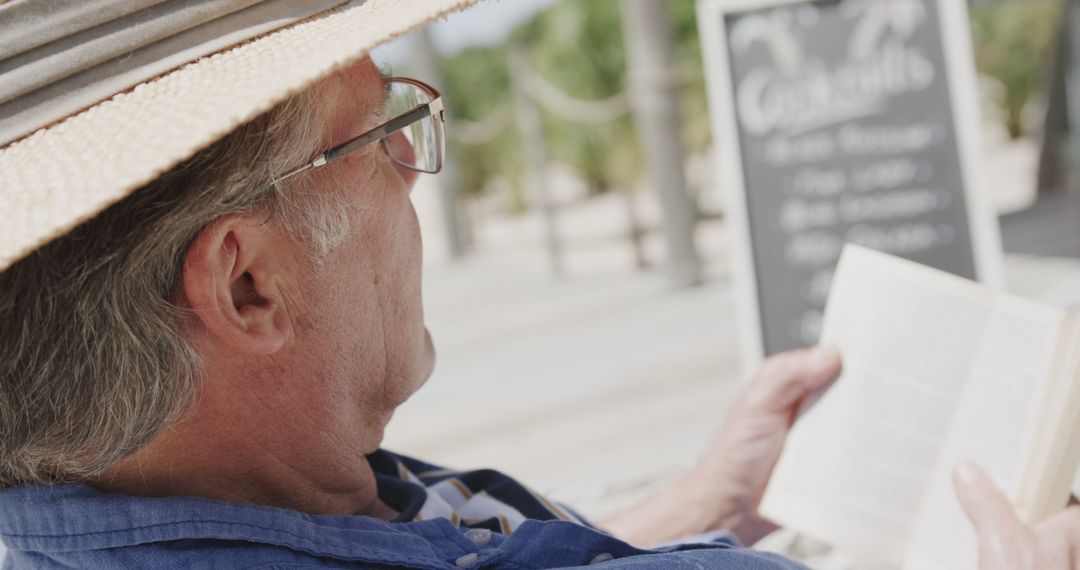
x=67, y=518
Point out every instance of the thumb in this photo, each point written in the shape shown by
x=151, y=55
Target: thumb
x=985, y=505
x=784, y=379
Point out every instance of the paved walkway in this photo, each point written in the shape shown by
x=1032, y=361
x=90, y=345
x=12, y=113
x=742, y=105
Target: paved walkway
x=586, y=389
x=594, y=386
x=597, y=387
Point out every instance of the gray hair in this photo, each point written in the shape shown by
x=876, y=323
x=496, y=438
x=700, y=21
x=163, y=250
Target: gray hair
x=93, y=359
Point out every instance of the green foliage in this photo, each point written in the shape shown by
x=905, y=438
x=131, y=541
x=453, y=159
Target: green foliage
x=576, y=45
x=477, y=84
x=697, y=132
x=480, y=76
x=1012, y=40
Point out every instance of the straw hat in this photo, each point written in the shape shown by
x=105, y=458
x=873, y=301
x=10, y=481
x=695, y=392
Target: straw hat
x=98, y=97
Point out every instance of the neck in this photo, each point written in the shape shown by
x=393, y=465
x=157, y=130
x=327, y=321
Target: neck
x=267, y=457
x=262, y=479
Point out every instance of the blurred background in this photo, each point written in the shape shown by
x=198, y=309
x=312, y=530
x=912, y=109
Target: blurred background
x=578, y=286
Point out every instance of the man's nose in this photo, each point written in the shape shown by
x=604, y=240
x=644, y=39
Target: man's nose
x=401, y=150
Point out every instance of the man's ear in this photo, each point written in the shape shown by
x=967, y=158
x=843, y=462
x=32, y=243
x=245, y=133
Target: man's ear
x=234, y=274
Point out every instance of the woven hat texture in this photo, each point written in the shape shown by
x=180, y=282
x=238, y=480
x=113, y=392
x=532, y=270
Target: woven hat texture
x=64, y=174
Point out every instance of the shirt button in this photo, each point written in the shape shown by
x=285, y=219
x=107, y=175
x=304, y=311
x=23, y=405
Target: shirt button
x=467, y=560
x=478, y=536
x=604, y=557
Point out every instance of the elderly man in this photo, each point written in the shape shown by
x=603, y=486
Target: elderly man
x=200, y=374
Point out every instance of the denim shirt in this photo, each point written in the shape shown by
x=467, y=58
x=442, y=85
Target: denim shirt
x=448, y=520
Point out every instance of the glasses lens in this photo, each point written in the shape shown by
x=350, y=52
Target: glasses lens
x=419, y=145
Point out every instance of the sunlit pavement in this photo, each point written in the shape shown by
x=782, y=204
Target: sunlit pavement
x=598, y=386
x=595, y=386
x=588, y=387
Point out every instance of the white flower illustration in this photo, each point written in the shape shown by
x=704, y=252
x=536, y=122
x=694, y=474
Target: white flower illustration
x=774, y=28
x=876, y=19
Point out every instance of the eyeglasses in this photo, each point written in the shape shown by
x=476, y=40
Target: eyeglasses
x=414, y=138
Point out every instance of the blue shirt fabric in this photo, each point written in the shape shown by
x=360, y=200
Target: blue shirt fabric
x=447, y=520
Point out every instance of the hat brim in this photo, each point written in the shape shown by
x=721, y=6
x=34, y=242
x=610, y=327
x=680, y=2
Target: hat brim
x=63, y=175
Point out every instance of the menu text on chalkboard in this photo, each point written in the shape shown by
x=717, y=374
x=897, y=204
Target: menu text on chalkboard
x=842, y=129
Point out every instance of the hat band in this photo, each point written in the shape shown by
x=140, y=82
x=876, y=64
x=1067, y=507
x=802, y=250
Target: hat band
x=61, y=56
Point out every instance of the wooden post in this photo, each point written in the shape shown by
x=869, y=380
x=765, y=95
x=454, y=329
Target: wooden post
x=531, y=127
x=1054, y=156
x=654, y=94
x=455, y=216
x=635, y=228
x=1071, y=15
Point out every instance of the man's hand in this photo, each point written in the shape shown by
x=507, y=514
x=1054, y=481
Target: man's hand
x=724, y=490
x=741, y=459
x=1005, y=543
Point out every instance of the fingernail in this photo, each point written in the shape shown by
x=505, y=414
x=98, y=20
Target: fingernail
x=824, y=357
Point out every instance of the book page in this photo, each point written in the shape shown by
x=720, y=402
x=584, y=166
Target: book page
x=1056, y=449
x=994, y=427
x=858, y=463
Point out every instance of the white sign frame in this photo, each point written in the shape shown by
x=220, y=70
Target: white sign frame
x=964, y=103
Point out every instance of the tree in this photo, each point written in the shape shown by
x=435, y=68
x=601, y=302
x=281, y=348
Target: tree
x=1011, y=40
x=577, y=46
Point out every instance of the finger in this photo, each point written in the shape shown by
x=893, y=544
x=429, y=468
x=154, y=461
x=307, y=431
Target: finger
x=985, y=505
x=1064, y=527
x=786, y=378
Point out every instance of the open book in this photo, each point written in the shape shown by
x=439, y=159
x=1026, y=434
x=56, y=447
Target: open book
x=937, y=369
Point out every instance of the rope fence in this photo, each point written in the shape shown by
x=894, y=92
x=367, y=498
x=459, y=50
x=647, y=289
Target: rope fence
x=557, y=102
x=529, y=93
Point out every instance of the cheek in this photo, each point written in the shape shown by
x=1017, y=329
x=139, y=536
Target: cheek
x=416, y=350
x=402, y=226
x=397, y=258
x=397, y=146
x=379, y=313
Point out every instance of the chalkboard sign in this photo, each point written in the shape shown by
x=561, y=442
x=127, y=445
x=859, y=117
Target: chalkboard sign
x=842, y=121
